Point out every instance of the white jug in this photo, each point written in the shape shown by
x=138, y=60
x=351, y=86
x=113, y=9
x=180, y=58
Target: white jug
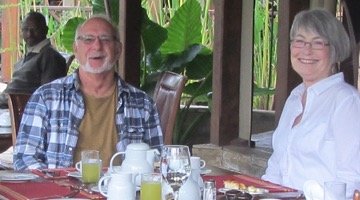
x=121, y=185
x=139, y=159
x=190, y=190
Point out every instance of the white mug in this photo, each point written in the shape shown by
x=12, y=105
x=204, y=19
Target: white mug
x=120, y=184
x=197, y=162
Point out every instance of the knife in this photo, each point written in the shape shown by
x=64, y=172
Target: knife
x=292, y=195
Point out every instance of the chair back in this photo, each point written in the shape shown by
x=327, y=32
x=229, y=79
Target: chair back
x=69, y=60
x=17, y=103
x=167, y=96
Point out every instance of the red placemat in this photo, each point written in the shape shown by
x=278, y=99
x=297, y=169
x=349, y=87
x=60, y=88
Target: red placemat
x=30, y=190
x=248, y=181
x=58, y=173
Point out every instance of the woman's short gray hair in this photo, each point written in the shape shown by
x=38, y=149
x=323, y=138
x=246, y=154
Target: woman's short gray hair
x=322, y=22
x=105, y=18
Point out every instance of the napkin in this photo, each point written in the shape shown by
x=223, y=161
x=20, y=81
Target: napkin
x=313, y=190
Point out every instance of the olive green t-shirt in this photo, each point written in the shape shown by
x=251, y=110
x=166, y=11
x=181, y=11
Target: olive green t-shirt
x=97, y=129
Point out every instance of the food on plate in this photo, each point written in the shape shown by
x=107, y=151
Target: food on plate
x=232, y=184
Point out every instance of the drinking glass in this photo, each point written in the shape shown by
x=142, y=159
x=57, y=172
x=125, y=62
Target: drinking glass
x=90, y=166
x=175, y=166
x=151, y=186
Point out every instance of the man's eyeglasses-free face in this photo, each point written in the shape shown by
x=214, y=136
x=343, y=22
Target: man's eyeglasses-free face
x=90, y=39
x=316, y=44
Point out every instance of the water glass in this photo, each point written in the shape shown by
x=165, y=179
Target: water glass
x=151, y=186
x=175, y=166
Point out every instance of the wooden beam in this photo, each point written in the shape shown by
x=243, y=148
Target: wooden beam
x=130, y=27
x=246, y=72
x=350, y=66
x=10, y=38
x=287, y=79
x=226, y=71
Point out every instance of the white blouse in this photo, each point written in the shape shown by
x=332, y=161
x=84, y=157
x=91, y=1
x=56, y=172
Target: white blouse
x=325, y=144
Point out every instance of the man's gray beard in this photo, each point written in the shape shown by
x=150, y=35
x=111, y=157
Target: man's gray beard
x=105, y=67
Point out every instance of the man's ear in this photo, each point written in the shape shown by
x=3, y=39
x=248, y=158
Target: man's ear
x=74, y=48
x=118, y=50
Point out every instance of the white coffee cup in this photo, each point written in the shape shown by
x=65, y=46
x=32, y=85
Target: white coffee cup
x=197, y=162
x=120, y=184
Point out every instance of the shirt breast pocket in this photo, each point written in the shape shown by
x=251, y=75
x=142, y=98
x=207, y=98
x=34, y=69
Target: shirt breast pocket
x=132, y=134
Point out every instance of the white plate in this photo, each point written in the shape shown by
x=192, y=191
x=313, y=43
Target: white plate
x=16, y=176
x=75, y=174
x=5, y=119
x=104, y=189
x=269, y=199
x=205, y=171
x=96, y=189
x=258, y=191
x=69, y=199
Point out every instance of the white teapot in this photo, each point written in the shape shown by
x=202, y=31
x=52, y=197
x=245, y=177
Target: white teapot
x=139, y=159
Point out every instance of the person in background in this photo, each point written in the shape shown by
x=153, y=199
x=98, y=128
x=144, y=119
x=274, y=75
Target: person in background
x=318, y=135
x=41, y=64
x=91, y=109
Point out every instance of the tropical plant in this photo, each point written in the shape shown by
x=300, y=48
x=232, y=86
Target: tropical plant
x=265, y=58
x=177, y=45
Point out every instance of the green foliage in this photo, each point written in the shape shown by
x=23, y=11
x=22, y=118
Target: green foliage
x=175, y=44
x=184, y=29
x=265, y=59
x=68, y=32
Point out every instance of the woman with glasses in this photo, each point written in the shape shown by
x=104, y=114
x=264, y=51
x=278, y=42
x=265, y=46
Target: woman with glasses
x=318, y=135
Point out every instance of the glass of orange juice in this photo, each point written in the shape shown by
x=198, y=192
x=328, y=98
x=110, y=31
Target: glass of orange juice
x=151, y=186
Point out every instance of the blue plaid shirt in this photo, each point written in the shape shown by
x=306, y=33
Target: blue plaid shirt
x=48, y=131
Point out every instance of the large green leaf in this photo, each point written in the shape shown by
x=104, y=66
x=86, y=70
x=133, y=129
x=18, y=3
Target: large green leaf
x=184, y=29
x=152, y=34
x=178, y=61
x=201, y=65
x=68, y=33
x=99, y=8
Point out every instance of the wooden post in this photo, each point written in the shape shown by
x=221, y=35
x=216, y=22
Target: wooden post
x=226, y=72
x=10, y=38
x=130, y=27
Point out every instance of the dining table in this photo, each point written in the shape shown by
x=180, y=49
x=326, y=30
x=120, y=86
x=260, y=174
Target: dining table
x=64, y=183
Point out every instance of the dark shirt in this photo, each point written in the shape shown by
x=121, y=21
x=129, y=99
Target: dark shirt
x=34, y=70
x=37, y=69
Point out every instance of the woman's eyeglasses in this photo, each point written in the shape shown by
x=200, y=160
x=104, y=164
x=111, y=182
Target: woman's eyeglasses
x=316, y=44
